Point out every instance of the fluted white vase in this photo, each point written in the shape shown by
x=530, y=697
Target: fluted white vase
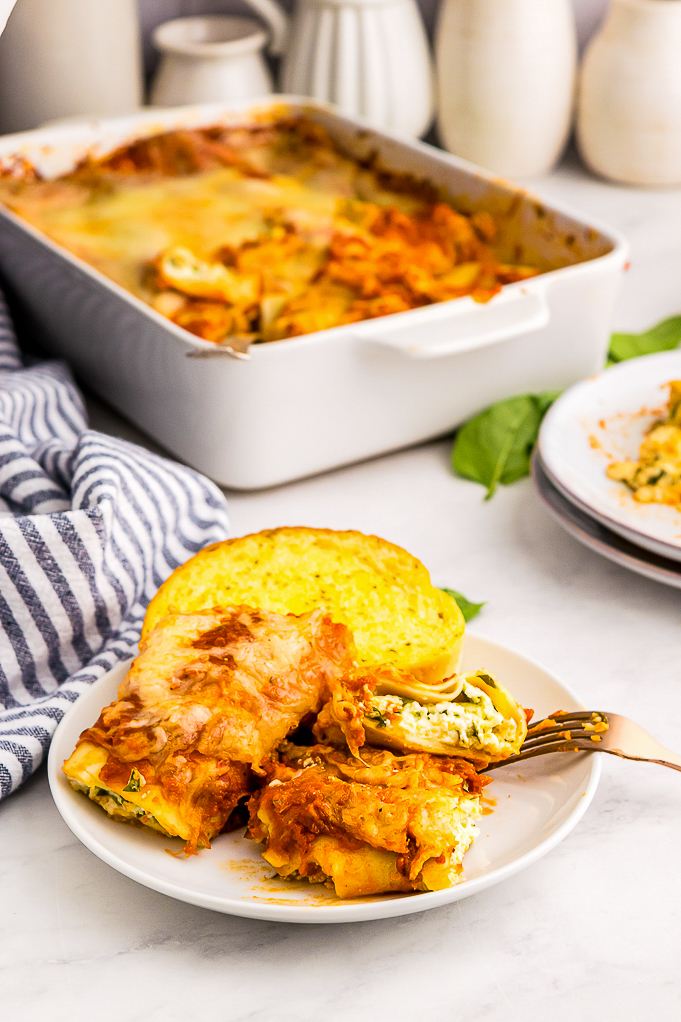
x=369, y=57
x=506, y=76
x=629, y=124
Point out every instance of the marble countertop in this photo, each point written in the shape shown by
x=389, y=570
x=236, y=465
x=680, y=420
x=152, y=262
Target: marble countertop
x=592, y=930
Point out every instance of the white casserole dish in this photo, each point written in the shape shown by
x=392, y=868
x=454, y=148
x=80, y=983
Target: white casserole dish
x=311, y=403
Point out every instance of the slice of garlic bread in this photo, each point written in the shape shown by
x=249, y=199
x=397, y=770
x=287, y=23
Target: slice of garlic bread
x=382, y=593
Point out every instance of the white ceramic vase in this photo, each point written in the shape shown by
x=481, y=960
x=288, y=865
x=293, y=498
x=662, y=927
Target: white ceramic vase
x=206, y=59
x=64, y=57
x=369, y=57
x=629, y=122
x=506, y=74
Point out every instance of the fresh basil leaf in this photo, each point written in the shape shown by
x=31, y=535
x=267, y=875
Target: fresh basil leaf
x=486, y=678
x=135, y=781
x=665, y=336
x=468, y=609
x=545, y=399
x=105, y=793
x=496, y=445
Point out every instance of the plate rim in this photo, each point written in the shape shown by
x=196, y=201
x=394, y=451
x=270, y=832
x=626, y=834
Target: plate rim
x=355, y=910
x=600, y=510
x=636, y=562
x=647, y=544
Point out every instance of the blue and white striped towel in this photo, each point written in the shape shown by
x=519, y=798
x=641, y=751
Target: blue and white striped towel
x=89, y=528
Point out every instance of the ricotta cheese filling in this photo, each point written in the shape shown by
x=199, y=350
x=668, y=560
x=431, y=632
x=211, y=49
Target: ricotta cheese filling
x=462, y=824
x=471, y=721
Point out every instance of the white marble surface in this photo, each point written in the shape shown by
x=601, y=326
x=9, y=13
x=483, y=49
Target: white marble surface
x=591, y=931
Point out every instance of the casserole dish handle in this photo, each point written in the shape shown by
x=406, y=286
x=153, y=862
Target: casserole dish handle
x=449, y=328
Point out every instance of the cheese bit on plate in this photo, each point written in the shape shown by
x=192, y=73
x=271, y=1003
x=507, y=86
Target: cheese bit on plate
x=655, y=478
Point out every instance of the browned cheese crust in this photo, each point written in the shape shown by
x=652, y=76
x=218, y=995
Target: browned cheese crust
x=209, y=699
x=382, y=803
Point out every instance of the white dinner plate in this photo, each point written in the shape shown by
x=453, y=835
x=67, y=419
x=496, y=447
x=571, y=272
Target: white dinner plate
x=604, y=419
x=589, y=531
x=538, y=804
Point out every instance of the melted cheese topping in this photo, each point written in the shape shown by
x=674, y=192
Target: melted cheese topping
x=269, y=232
x=382, y=823
x=200, y=712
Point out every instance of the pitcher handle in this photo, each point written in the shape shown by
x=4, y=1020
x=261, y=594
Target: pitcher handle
x=277, y=20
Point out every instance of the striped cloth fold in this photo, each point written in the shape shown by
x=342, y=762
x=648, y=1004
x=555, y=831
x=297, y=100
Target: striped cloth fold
x=90, y=526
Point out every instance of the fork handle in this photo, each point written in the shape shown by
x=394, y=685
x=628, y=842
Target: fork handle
x=676, y=765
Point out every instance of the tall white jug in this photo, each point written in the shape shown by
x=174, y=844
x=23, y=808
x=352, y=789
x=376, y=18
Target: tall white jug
x=369, y=57
x=629, y=123
x=65, y=57
x=506, y=74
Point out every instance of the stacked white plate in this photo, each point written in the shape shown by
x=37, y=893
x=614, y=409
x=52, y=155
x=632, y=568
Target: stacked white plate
x=598, y=421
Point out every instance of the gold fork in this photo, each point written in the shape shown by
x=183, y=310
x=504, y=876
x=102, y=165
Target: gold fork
x=592, y=731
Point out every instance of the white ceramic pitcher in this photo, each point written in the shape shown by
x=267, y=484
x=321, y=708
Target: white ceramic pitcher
x=369, y=57
x=211, y=58
x=217, y=57
x=629, y=123
x=506, y=72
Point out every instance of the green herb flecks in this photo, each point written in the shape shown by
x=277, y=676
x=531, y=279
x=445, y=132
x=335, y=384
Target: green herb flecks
x=135, y=782
x=486, y=678
x=496, y=446
x=378, y=718
x=105, y=793
x=665, y=336
x=468, y=609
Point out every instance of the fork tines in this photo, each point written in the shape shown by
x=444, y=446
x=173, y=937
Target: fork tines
x=579, y=724
x=561, y=732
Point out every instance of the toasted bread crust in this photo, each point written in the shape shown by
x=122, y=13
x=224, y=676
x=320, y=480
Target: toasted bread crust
x=381, y=592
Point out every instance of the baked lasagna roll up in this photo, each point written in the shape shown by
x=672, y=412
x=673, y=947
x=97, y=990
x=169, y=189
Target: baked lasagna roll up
x=203, y=707
x=469, y=715
x=380, y=824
